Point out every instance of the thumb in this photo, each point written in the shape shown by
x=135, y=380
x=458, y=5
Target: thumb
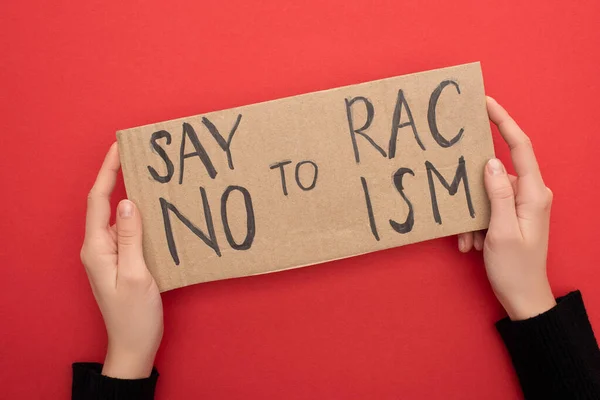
x=502, y=198
x=129, y=237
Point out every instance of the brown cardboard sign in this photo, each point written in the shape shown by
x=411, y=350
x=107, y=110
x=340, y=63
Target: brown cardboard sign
x=310, y=178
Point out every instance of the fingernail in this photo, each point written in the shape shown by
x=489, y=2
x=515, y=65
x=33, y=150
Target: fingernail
x=125, y=209
x=495, y=166
x=461, y=243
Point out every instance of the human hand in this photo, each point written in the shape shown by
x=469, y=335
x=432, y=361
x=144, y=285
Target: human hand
x=516, y=244
x=126, y=293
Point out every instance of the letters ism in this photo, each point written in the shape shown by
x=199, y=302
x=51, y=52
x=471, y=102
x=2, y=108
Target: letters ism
x=191, y=146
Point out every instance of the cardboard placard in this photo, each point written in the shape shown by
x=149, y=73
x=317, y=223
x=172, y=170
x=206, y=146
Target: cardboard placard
x=311, y=178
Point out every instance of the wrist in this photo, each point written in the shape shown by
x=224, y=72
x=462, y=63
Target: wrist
x=530, y=306
x=127, y=365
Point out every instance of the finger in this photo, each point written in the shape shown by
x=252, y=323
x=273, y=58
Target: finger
x=514, y=183
x=521, y=151
x=503, y=220
x=534, y=213
x=465, y=242
x=129, y=239
x=113, y=232
x=478, y=240
x=98, y=208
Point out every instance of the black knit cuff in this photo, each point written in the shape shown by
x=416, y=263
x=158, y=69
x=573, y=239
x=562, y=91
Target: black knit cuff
x=554, y=350
x=569, y=313
x=89, y=383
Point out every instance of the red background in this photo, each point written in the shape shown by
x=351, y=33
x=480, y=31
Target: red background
x=413, y=322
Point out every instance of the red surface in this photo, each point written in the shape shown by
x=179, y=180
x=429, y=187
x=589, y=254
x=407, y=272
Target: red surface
x=413, y=322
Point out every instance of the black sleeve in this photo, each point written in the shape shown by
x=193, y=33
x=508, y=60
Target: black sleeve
x=90, y=384
x=555, y=354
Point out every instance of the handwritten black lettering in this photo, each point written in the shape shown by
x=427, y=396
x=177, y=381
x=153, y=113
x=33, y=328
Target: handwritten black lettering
x=460, y=175
x=162, y=154
x=281, y=165
x=250, y=223
x=315, y=174
x=396, y=124
x=225, y=144
x=431, y=118
x=210, y=240
x=407, y=225
x=200, y=152
x=360, y=131
x=372, y=223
